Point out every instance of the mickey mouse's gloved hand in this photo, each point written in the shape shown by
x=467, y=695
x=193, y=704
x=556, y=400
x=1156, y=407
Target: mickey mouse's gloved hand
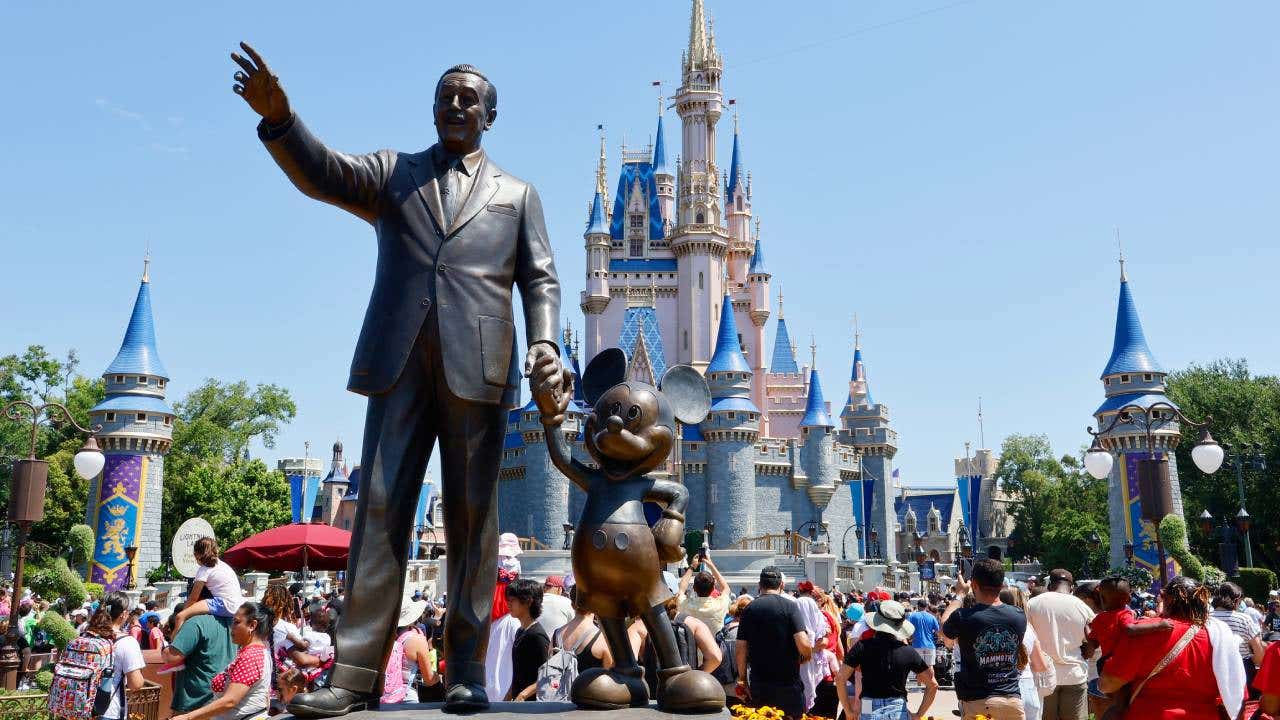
x=667, y=533
x=552, y=399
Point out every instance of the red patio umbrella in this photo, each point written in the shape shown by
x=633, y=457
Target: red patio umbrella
x=292, y=547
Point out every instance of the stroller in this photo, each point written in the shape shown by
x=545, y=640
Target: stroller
x=944, y=668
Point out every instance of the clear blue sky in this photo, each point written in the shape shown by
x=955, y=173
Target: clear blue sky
x=953, y=172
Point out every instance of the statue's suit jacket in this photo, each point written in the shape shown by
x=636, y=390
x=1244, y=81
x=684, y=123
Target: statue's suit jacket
x=465, y=270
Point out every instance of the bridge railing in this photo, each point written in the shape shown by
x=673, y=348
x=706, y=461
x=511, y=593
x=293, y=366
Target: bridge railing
x=790, y=544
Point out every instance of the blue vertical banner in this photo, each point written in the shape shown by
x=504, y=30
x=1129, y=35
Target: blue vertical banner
x=970, y=487
x=310, y=491
x=859, y=517
x=295, y=496
x=420, y=517
x=868, y=504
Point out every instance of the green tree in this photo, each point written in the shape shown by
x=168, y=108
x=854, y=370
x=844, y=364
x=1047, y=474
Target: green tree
x=238, y=500
x=1245, y=409
x=1056, y=505
x=37, y=377
x=81, y=539
x=217, y=421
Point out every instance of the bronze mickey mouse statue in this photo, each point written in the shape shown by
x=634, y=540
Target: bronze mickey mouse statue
x=617, y=557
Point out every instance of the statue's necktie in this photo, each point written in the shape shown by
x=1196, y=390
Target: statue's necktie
x=450, y=193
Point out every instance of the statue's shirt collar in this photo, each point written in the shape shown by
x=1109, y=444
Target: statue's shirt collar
x=442, y=160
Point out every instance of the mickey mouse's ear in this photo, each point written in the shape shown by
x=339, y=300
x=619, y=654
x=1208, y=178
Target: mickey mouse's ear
x=603, y=372
x=686, y=390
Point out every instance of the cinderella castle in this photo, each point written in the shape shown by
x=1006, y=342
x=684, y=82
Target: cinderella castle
x=676, y=273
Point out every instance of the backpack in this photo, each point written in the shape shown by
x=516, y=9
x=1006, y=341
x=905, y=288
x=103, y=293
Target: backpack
x=556, y=676
x=684, y=643
x=81, y=670
x=727, y=671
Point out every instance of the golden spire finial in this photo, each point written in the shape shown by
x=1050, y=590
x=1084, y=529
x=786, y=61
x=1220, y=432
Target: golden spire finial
x=857, y=333
x=1120, y=247
x=602, y=167
x=779, y=301
x=813, y=351
x=146, y=264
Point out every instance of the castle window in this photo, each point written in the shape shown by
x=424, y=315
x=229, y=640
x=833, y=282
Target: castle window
x=168, y=421
x=637, y=246
x=637, y=222
x=733, y=416
x=701, y=219
x=142, y=417
x=1146, y=377
x=699, y=281
x=111, y=417
x=119, y=379
x=142, y=379
x=160, y=384
x=1124, y=378
x=686, y=339
x=1106, y=382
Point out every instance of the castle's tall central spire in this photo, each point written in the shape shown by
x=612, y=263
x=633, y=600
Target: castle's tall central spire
x=697, y=34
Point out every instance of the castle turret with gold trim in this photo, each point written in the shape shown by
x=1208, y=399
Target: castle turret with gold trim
x=137, y=428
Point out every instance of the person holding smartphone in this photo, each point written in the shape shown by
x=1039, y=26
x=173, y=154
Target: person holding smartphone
x=710, y=600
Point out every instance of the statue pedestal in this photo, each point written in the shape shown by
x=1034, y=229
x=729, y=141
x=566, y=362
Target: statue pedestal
x=820, y=568
x=134, y=596
x=520, y=710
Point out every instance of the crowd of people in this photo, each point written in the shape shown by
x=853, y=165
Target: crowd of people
x=1047, y=650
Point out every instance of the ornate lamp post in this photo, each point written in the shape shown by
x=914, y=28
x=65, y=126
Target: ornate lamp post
x=131, y=552
x=874, y=548
x=1247, y=457
x=1154, y=488
x=26, y=501
x=857, y=535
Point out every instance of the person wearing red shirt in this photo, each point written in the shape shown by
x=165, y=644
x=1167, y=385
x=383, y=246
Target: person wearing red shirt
x=1267, y=681
x=1117, y=619
x=1186, y=689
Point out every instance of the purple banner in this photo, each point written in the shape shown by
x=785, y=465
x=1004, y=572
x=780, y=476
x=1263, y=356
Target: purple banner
x=117, y=518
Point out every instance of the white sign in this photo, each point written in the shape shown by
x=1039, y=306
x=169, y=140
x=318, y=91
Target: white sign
x=184, y=543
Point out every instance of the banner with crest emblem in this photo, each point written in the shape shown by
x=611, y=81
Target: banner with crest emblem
x=117, y=518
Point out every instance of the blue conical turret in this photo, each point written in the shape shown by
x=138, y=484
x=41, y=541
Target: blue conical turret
x=596, y=224
x=757, y=260
x=138, y=354
x=784, y=358
x=815, y=412
x=728, y=355
x=660, y=152
x=1129, y=351
x=735, y=169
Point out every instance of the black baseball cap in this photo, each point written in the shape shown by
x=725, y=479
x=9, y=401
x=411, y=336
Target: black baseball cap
x=771, y=577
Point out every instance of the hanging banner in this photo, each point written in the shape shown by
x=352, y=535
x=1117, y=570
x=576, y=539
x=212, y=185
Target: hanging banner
x=295, y=496
x=310, y=491
x=117, y=518
x=970, y=487
x=1136, y=530
x=868, y=505
x=859, y=517
x=420, y=518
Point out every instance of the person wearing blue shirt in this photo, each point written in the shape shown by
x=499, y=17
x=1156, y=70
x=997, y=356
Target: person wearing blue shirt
x=926, y=625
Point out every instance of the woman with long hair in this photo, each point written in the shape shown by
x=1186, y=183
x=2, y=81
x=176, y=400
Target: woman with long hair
x=288, y=647
x=243, y=690
x=108, y=623
x=1178, y=673
x=1032, y=703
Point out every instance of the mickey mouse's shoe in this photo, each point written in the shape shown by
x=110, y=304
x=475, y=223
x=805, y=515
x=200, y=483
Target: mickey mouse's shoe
x=600, y=689
x=684, y=690
x=327, y=702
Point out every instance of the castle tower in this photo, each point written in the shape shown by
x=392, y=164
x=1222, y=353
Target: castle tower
x=699, y=242
x=730, y=431
x=333, y=487
x=817, y=456
x=759, y=300
x=786, y=391
x=664, y=179
x=866, y=427
x=1133, y=377
x=738, y=199
x=596, y=296
x=137, y=428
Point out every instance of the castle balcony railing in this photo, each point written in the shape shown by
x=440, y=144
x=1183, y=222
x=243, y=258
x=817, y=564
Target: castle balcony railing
x=790, y=544
x=533, y=544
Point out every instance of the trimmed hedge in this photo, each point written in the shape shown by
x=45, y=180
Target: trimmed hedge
x=60, y=630
x=1173, y=533
x=1257, y=583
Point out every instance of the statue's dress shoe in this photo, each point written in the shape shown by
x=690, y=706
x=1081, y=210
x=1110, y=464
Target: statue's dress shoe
x=464, y=698
x=327, y=702
x=684, y=690
x=600, y=689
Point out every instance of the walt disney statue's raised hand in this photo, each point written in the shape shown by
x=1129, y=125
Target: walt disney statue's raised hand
x=260, y=87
